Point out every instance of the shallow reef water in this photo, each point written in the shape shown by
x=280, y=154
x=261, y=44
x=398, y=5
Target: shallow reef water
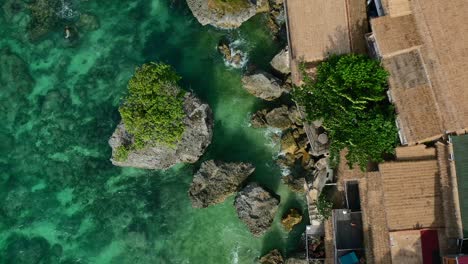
x=61, y=200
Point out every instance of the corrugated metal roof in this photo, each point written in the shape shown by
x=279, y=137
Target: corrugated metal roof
x=460, y=149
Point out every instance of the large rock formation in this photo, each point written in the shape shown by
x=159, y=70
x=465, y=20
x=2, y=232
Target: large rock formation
x=196, y=137
x=263, y=85
x=273, y=257
x=256, y=207
x=226, y=14
x=281, y=62
x=216, y=180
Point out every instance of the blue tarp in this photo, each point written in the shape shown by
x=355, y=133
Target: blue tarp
x=349, y=258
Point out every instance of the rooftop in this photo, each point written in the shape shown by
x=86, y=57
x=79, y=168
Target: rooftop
x=318, y=28
x=423, y=45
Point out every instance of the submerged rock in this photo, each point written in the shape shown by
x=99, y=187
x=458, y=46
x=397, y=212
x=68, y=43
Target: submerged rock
x=44, y=18
x=231, y=54
x=256, y=207
x=216, y=180
x=273, y=257
x=263, y=85
x=88, y=22
x=21, y=249
x=296, y=184
x=195, y=139
x=291, y=219
x=12, y=8
x=226, y=14
x=281, y=62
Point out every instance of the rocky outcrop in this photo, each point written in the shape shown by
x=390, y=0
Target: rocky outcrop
x=296, y=184
x=273, y=257
x=231, y=55
x=216, y=180
x=291, y=219
x=281, y=62
x=281, y=117
x=226, y=14
x=276, y=19
x=256, y=207
x=263, y=85
x=195, y=138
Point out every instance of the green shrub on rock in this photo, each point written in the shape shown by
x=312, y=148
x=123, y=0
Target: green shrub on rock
x=121, y=153
x=153, y=109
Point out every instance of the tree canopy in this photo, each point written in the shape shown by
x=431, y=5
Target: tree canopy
x=153, y=109
x=349, y=94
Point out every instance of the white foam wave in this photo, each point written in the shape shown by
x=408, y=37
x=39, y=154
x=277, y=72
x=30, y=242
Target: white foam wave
x=235, y=255
x=237, y=48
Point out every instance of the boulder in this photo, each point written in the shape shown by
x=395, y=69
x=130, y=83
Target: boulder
x=216, y=180
x=231, y=54
x=292, y=218
x=263, y=85
x=286, y=160
x=258, y=119
x=296, y=184
x=225, y=50
x=295, y=116
x=195, y=139
x=281, y=62
x=256, y=207
x=273, y=257
x=288, y=143
x=279, y=117
x=225, y=14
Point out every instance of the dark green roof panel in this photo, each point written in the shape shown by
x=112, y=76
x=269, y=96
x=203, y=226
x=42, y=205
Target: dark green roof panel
x=460, y=149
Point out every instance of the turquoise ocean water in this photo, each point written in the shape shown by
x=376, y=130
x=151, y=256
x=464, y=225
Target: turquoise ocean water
x=62, y=201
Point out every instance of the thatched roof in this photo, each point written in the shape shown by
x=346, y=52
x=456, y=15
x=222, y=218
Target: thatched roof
x=426, y=54
x=412, y=197
x=318, y=28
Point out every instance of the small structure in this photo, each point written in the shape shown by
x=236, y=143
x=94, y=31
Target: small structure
x=410, y=206
x=348, y=235
x=318, y=28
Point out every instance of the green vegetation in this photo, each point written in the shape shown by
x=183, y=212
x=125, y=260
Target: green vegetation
x=228, y=6
x=121, y=153
x=348, y=94
x=324, y=207
x=153, y=109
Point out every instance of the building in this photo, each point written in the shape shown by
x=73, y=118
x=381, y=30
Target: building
x=318, y=28
x=422, y=43
x=410, y=206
